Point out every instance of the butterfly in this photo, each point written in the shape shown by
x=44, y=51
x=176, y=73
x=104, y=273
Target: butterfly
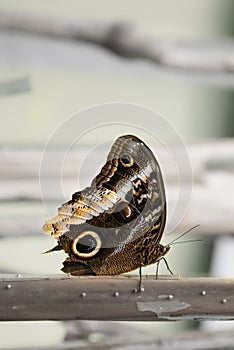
x=116, y=224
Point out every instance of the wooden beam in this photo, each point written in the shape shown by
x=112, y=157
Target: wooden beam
x=115, y=298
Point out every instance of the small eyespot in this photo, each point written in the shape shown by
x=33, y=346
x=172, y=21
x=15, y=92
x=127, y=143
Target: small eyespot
x=126, y=160
x=87, y=244
x=127, y=211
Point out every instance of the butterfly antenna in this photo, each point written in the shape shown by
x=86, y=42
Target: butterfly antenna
x=188, y=241
x=183, y=234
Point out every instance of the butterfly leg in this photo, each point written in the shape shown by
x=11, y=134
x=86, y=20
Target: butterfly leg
x=167, y=266
x=141, y=287
x=157, y=268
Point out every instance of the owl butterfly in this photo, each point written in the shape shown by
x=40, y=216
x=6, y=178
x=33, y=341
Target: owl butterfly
x=116, y=224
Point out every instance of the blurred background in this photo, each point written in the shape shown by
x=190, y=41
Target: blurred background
x=44, y=79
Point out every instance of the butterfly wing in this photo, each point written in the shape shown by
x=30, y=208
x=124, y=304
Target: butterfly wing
x=83, y=207
x=108, y=227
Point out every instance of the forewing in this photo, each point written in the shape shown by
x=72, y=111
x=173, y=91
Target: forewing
x=83, y=207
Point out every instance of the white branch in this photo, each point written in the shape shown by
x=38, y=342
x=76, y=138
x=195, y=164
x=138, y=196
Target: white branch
x=128, y=40
x=211, y=205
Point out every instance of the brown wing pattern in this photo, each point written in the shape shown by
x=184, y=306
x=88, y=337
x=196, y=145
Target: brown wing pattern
x=116, y=224
x=83, y=206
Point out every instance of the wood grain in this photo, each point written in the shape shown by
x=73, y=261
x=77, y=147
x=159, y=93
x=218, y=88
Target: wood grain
x=115, y=298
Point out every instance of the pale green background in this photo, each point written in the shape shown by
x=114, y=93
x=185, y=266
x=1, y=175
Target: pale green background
x=69, y=84
x=63, y=86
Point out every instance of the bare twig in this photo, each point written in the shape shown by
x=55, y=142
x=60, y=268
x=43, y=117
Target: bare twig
x=115, y=298
x=128, y=40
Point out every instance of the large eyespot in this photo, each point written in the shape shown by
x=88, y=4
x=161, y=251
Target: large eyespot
x=87, y=244
x=126, y=160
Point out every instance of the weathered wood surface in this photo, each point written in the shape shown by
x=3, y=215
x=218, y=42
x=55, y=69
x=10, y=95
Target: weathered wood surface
x=211, y=204
x=115, y=298
x=127, y=40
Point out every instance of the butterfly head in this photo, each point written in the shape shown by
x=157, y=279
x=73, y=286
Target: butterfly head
x=164, y=249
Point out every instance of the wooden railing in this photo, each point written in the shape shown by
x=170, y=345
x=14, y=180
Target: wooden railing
x=115, y=298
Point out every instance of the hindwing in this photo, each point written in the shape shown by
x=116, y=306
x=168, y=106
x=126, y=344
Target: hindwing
x=116, y=224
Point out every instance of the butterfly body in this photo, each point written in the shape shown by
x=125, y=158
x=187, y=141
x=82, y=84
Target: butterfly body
x=116, y=224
